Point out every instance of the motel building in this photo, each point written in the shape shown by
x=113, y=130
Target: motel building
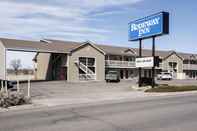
x=88, y=61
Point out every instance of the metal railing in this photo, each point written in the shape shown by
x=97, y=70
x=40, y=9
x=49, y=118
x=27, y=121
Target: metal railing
x=189, y=67
x=89, y=74
x=85, y=68
x=119, y=64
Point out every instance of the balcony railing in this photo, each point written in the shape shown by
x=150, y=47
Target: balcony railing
x=119, y=64
x=189, y=67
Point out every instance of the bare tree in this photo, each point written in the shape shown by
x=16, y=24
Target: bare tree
x=16, y=64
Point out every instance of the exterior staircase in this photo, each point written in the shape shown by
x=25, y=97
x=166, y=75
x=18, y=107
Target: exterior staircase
x=89, y=74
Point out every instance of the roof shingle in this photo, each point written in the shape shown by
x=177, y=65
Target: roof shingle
x=58, y=46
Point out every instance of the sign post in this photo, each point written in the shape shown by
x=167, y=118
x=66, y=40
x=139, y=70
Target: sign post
x=149, y=27
x=153, y=68
x=140, y=69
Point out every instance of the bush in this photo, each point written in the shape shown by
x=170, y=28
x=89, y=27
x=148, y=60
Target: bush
x=13, y=98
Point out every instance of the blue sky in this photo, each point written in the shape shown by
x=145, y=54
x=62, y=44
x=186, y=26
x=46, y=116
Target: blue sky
x=101, y=21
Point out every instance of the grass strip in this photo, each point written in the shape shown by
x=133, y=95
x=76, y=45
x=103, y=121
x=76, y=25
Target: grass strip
x=167, y=88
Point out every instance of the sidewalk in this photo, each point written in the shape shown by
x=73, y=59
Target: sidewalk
x=104, y=97
x=93, y=99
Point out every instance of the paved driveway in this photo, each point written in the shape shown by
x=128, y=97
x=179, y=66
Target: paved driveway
x=61, y=92
x=61, y=88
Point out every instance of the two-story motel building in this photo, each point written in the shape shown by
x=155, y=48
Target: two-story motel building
x=85, y=61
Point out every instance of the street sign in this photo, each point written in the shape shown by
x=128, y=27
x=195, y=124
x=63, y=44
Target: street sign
x=144, y=62
x=153, y=25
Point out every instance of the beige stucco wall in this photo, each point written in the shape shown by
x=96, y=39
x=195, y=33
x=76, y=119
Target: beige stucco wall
x=42, y=65
x=173, y=58
x=86, y=51
x=2, y=61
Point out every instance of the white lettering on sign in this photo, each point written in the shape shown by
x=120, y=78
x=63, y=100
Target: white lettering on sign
x=144, y=27
x=144, y=62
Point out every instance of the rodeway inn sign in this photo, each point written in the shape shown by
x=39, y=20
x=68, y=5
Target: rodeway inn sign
x=153, y=25
x=148, y=27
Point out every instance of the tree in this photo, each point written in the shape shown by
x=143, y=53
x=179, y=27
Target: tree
x=16, y=64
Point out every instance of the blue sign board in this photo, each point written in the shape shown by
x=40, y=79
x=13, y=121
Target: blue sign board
x=154, y=25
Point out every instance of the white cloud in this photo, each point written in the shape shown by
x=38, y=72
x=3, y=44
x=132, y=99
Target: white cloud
x=22, y=17
x=55, y=19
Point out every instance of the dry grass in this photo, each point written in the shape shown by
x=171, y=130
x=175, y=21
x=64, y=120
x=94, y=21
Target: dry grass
x=167, y=88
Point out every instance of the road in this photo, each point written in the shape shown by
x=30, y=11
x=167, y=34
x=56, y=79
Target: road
x=177, y=113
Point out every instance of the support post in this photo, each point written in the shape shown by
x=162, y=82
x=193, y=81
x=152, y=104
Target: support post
x=29, y=87
x=18, y=88
x=6, y=87
x=153, y=68
x=140, y=69
x=2, y=88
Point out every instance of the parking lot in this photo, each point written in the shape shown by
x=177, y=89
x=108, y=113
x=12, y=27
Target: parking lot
x=61, y=88
x=62, y=92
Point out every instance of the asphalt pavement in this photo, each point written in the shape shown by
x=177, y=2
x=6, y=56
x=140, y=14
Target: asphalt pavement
x=177, y=113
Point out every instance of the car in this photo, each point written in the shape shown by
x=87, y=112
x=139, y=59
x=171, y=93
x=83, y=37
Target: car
x=112, y=76
x=164, y=76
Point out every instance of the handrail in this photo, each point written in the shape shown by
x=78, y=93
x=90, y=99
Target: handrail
x=120, y=63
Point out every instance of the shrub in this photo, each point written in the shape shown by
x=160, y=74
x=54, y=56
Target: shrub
x=13, y=98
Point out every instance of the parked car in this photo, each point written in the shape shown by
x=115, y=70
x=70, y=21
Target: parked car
x=164, y=76
x=112, y=76
x=10, y=84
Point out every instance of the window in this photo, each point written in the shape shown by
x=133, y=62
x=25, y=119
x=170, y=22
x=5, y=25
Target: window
x=81, y=71
x=82, y=60
x=92, y=69
x=172, y=64
x=91, y=62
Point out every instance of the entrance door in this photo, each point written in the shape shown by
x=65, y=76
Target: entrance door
x=63, y=73
x=121, y=74
x=126, y=74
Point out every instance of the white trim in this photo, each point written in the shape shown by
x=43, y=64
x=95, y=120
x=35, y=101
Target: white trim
x=34, y=50
x=120, y=64
x=88, y=43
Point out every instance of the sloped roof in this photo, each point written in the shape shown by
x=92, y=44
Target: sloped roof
x=58, y=46
x=37, y=46
x=115, y=50
x=85, y=44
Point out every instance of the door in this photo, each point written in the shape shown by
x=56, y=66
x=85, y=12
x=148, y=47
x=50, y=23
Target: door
x=63, y=73
x=127, y=74
x=121, y=74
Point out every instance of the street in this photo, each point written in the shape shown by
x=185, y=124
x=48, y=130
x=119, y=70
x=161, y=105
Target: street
x=177, y=113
